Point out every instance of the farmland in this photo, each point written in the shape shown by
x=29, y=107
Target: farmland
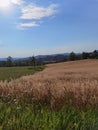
x=8, y=73
x=64, y=96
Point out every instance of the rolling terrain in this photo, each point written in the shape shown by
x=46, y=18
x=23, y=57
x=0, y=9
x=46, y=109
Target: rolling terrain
x=63, y=96
x=78, y=78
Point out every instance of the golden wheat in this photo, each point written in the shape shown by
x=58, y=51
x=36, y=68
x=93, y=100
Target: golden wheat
x=74, y=82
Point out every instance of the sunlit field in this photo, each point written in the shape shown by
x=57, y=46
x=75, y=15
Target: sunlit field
x=63, y=96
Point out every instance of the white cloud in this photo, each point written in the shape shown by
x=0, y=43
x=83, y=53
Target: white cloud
x=32, y=24
x=33, y=11
x=17, y=2
x=27, y=25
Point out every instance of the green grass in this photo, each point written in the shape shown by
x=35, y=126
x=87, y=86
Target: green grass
x=22, y=116
x=8, y=73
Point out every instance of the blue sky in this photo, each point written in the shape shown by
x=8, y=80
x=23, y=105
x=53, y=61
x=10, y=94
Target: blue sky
x=32, y=27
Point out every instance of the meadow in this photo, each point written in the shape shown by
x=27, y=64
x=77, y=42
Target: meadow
x=64, y=96
x=8, y=73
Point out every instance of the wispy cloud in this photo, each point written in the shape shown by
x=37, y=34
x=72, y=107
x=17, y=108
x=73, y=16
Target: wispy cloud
x=33, y=14
x=17, y=2
x=27, y=25
x=36, y=12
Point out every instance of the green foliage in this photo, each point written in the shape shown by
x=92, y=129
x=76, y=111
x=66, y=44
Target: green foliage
x=19, y=115
x=72, y=56
x=9, y=61
x=94, y=55
x=85, y=55
x=32, y=61
x=8, y=73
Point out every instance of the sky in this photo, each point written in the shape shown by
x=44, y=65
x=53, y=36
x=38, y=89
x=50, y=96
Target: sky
x=38, y=27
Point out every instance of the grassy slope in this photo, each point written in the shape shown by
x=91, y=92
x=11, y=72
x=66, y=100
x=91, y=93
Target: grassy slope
x=8, y=73
x=42, y=94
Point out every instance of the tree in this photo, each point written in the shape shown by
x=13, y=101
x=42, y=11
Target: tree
x=95, y=54
x=72, y=56
x=32, y=61
x=85, y=55
x=9, y=61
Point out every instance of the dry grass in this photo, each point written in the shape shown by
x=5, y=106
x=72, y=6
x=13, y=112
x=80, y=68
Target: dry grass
x=73, y=82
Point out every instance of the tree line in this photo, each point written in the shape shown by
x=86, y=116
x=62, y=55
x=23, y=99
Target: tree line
x=84, y=55
x=10, y=62
x=33, y=61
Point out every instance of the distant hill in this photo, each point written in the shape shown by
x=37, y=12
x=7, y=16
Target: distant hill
x=2, y=59
x=14, y=58
x=44, y=56
x=52, y=58
x=37, y=57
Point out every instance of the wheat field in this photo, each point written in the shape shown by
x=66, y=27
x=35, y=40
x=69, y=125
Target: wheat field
x=74, y=82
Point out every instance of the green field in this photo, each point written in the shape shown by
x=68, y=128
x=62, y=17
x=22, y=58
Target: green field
x=8, y=73
x=23, y=116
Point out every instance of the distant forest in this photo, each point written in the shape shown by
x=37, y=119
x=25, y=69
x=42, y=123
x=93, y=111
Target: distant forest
x=41, y=60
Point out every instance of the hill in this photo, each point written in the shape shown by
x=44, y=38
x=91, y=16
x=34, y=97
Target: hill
x=64, y=96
